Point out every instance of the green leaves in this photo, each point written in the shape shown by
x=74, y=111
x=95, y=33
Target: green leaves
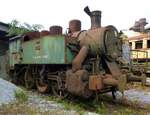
x=21, y=96
x=16, y=28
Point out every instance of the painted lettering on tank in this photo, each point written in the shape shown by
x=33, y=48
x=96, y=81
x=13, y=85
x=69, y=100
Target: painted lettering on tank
x=39, y=57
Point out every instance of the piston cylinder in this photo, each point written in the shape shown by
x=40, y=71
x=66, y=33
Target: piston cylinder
x=77, y=62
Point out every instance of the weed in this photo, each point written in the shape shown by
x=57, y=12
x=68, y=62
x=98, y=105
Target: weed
x=21, y=96
x=17, y=109
x=101, y=108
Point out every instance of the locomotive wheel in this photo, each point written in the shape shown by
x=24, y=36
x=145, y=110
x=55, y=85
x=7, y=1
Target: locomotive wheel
x=57, y=92
x=14, y=78
x=17, y=76
x=41, y=86
x=29, y=79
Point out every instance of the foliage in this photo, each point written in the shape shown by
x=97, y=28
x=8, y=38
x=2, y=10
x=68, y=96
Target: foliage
x=104, y=106
x=17, y=28
x=17, y=109
x=21, y=96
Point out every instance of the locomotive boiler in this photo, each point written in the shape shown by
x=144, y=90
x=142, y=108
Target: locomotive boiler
x=81, y=62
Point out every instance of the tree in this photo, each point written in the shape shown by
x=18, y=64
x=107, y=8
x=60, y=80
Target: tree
x=16, y=28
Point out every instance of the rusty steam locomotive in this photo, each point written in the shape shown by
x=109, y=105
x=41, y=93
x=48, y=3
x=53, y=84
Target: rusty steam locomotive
x=81, y=62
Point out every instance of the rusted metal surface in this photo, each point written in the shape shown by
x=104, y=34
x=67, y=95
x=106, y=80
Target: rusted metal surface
x=95, y=82
x=80, y=57
x=41, y=86
x=29, y=78
x=94, y=39
x=110, y=81
x=92, y=53
x=31, y=35
x=101, y=41
x=74, y=26
x=95, y=17
x=76, y=85
x=120, y=83
x=55, y=30
x=44, y=33
x=136, y=78
x=114, y=69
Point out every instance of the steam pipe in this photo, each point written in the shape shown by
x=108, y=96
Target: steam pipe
x=77, y=62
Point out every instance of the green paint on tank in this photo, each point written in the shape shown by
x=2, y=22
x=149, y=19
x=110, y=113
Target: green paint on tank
x=46, y=50
x=14, y=52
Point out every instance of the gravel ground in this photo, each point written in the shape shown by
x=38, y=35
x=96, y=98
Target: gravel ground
x=7, y=95
x=44, y=105
x=35, y=100
x=7, y=90
x=135, y=96
x=139, y=97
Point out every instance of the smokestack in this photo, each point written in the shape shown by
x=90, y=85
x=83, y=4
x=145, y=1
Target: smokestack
x=95, y=17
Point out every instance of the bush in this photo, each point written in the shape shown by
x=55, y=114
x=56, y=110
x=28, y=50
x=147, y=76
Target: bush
x=21, y=96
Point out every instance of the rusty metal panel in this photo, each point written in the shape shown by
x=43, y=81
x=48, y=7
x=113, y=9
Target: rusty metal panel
x=46, y=50
x=114, y=69
x=77, y=84
x=56, y=30
x=44, y=33
x=95, y=82
x=78, y=60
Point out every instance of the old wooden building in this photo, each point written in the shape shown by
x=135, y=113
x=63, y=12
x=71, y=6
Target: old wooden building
x=140, y=46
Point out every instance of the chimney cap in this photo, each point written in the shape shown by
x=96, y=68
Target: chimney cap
x=96, y=12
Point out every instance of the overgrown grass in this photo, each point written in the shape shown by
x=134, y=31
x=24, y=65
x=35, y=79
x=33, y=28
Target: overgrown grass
x=105, y=106
x=21, y=96
x=17, y=109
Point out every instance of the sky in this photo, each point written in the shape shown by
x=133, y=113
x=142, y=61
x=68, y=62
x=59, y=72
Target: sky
x=120, y=13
